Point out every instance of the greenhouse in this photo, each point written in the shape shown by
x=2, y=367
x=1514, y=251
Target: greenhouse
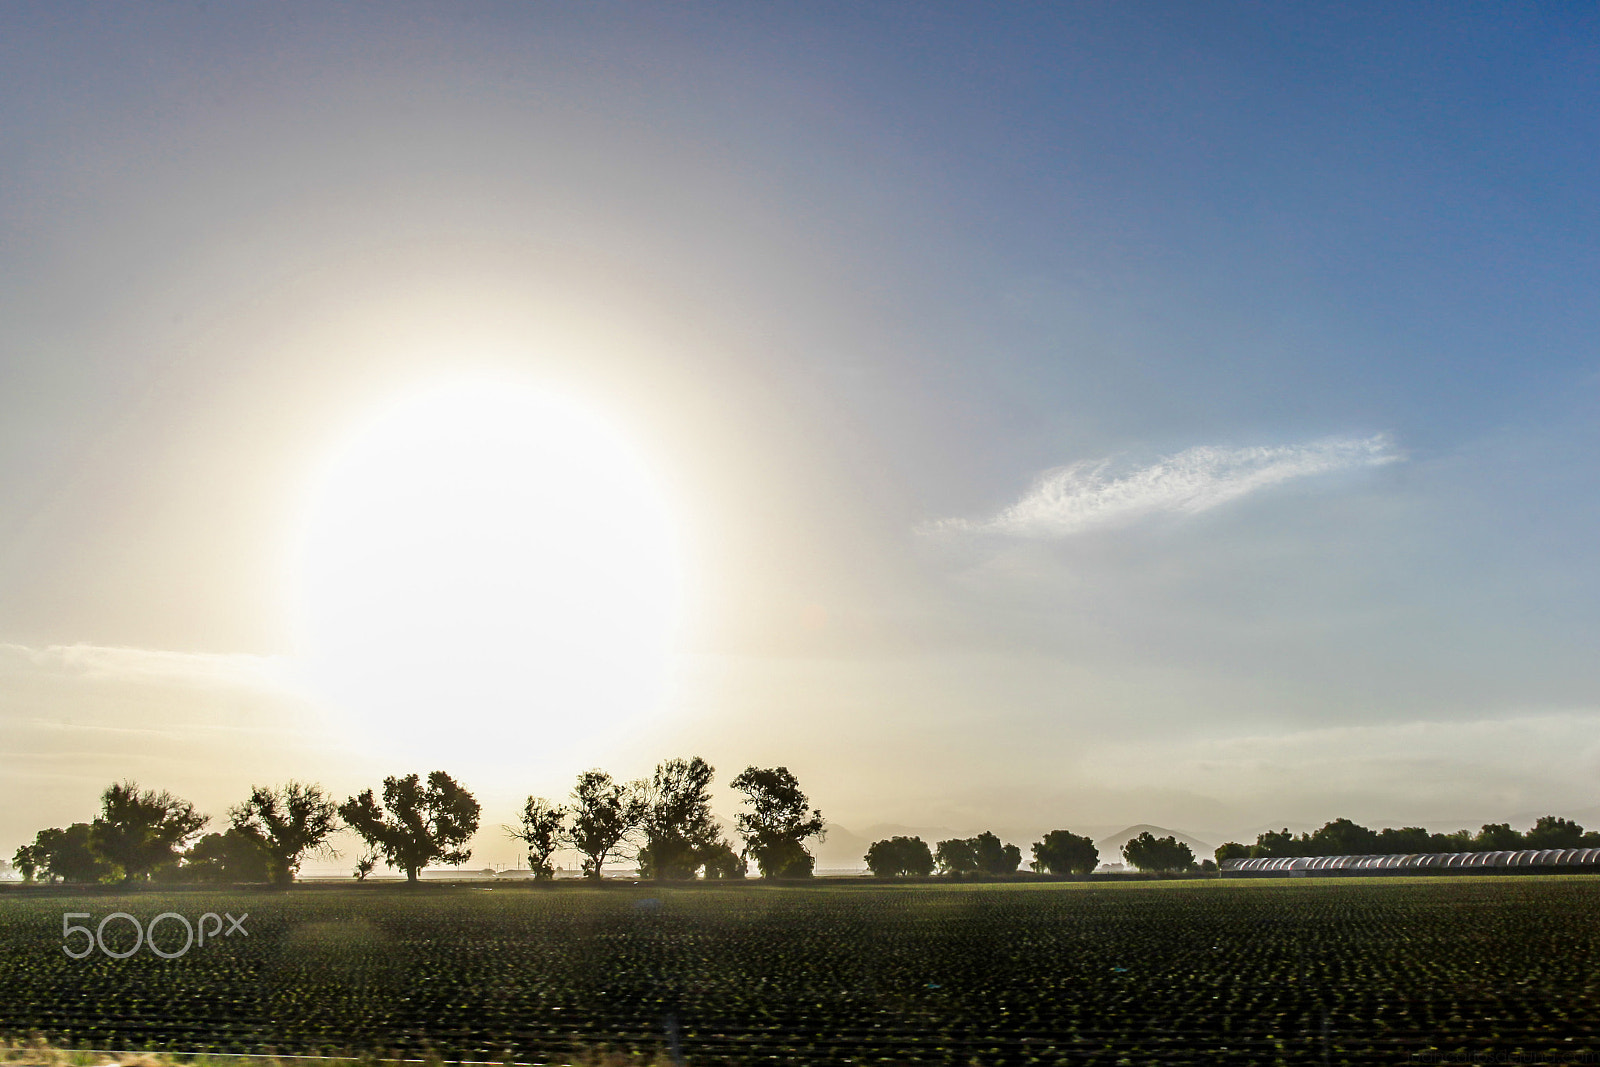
x=1534, y=858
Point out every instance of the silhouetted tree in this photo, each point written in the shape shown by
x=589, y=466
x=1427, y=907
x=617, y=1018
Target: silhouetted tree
x=417, y=824
x=956, y=856
x=778, y=822
x=63, y=854
x=365, y=866
x=1551, y=832
x=1455, y=841
x=1064, y=852
x=679, y=829
x=1232, y=850
x=138, y=831
x=900, y=856
x=1341, y=837
x=286, y=824
x=605, y=814
x=1278, y=843
x=227, y=857
x=994, y=857
x=1150, y=853
x=28, y=860
x=1406, y=840
x=972, y=855
x=542, y=830
x=723, y=861
x=1497, y=837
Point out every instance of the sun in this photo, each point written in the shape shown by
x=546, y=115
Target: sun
x=485, y=567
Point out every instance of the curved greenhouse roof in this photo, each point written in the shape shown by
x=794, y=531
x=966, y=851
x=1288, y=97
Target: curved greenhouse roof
x=1534, y=857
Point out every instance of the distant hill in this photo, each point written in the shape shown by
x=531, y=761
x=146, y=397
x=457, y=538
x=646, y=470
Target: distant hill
x=1110, y=846
x=841, y=849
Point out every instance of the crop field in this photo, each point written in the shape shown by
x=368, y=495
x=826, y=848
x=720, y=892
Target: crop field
x=1339, y=971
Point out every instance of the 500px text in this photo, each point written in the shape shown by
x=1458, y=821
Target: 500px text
x=147, y=935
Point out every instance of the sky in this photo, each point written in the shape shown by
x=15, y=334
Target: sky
x=1019, y=418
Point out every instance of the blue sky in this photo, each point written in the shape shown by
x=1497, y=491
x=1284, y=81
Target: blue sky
x=1296, y=299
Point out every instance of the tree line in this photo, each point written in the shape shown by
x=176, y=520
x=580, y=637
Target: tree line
x=1061, y=852
x=663, y=822
x=1342, y=837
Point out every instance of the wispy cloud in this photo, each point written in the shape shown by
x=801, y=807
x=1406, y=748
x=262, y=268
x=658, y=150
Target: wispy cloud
x=109, y=663
x=1068, y=500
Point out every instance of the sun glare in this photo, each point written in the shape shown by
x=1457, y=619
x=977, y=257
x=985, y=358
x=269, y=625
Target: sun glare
x=483, y=568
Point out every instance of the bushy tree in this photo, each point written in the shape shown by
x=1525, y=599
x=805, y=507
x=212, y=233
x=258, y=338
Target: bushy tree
x=1455, y=841
x=785, y=859
x=1406, y=840
x=995, y=858
x=286, y=824
x=63, y=855
x=723, y=861
x=1497, y=837
x=1275, y=844
x=1341, y=837
x=679, y=829
x=1150, y=853
x=1232, y=850
x=28, y=860
x=956, y=856
x=230, y=857
x=778, y=822
x=417, y=824
x=900, y=856
x=605, y=815
x=542, y=830
x=140, y=830
x=1551, y=832
x=983, y=854
x=1064, y=852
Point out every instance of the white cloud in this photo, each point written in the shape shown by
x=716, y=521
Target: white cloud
x=1068, y=500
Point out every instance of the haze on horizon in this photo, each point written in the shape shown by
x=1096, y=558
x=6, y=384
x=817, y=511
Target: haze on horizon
x=1071, y=416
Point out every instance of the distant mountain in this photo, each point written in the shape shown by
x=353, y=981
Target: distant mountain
x=841, y=849
x=1110, y=846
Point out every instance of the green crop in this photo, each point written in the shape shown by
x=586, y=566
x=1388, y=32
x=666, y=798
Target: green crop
x=1352, y=971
